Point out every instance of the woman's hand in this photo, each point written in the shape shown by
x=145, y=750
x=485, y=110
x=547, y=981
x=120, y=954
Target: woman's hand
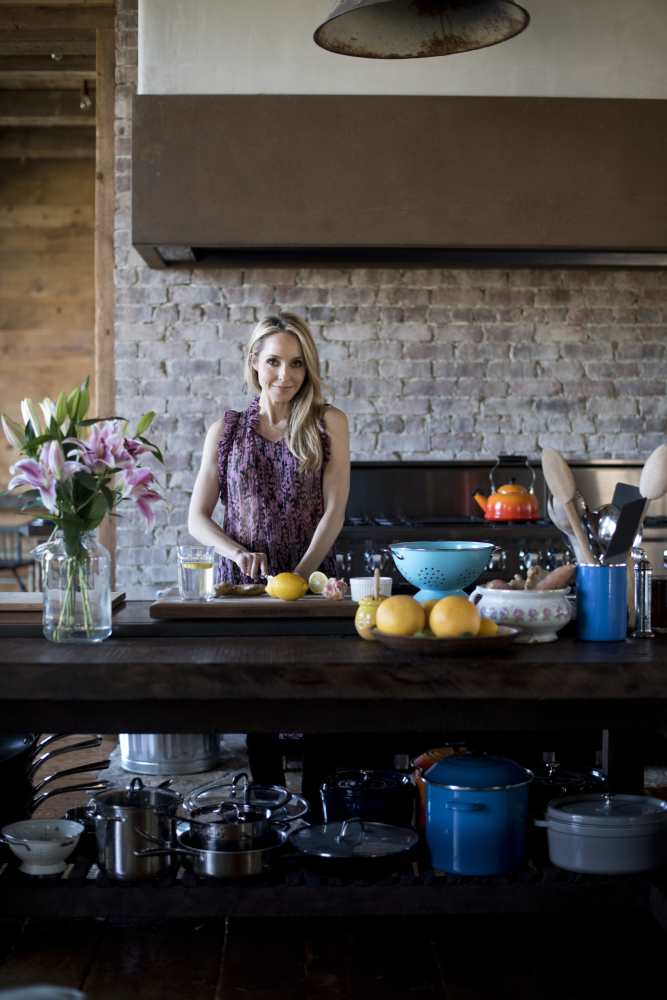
x=253, y=564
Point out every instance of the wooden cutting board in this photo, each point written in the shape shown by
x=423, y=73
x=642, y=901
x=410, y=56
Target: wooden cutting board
x=12, y=601
x=310, y=606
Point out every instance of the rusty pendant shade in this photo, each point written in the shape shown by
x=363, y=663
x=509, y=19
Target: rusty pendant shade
x=414, y=29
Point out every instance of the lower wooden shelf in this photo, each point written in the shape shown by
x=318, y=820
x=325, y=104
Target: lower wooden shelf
x=287, y=890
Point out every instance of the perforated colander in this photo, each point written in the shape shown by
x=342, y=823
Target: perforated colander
x=441, y=568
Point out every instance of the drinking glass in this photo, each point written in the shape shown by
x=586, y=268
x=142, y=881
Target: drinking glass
x=195, y=572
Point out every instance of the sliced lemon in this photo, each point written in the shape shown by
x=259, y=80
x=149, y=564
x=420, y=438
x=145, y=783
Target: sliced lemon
x=208, y=565
x=317, y=582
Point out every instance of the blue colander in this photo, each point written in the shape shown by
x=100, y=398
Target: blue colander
x=441, y=569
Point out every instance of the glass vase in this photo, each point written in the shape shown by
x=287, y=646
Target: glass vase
x=77, y=590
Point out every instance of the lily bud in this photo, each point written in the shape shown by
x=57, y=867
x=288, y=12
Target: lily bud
x=84, y=403
x=144, y=423
x=48, y=408
x=13, y=432
x=73, y=403
x=61, y=409
x=30, y=415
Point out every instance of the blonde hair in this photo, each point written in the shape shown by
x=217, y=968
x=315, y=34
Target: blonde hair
x=305, y=420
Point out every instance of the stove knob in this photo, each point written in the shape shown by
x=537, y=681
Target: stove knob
x=664, y=558
x=557, y=557
x=528, y=559
x=374, y=560
x=498, y=560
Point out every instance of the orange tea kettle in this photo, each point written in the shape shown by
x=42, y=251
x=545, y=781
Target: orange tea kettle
x=510, y=502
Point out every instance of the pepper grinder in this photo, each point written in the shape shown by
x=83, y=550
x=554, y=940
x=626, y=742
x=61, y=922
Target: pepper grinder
x=643, y=575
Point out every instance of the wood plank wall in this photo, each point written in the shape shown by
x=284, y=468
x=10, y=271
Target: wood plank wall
x=47, y=293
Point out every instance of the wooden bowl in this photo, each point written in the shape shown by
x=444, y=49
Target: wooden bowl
x=448, y=647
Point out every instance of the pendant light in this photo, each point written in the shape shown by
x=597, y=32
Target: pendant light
x=414, y=29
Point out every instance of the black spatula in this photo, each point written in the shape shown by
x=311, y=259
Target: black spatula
x=629, y=520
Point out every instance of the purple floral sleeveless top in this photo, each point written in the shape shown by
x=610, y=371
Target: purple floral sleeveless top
x=269, y=505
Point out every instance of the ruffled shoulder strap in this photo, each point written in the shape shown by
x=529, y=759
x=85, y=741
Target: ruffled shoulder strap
x=326, y=442
x=225, y=443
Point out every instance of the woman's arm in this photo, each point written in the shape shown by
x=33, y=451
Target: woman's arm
x=335, y=489
x=202, y=504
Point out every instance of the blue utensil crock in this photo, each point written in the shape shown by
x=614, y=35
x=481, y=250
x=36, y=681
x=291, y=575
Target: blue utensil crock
x=476, y=814
x=602, y=603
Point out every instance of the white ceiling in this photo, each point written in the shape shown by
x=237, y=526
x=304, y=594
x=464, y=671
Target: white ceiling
x=572, y=48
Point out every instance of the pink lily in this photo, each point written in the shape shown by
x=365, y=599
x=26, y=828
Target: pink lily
x=97, y=454
x=43, y=475
x=135, y=486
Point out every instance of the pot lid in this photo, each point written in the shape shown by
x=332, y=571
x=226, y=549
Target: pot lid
x=228, y=814
x=367, y=784
x=554, y=775
x=353, y=838
x=476, y=771
x=243, y=792
x=137, y=796
x=609, y=810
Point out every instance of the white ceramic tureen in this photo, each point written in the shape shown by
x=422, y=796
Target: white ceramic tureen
x=540, y=613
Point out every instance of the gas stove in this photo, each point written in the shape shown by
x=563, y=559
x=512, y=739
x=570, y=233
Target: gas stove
x=432, y=501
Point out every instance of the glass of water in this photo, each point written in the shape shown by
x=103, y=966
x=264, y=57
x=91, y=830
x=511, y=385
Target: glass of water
x=195, y=572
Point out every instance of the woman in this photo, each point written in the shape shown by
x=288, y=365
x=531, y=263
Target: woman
x=282, y=470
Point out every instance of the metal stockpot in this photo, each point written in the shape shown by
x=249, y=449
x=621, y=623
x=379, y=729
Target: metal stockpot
x=169, y=753
x=122, y=815
x=229, y=827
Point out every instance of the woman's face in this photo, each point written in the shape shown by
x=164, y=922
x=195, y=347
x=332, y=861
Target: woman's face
x=280, y=367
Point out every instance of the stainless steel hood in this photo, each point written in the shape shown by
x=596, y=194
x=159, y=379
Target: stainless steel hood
x=403, y=181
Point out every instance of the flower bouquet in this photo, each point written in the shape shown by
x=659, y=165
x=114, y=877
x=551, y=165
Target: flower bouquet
x=70, y=472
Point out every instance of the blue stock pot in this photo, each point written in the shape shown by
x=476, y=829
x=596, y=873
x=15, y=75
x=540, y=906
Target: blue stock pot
x=476, y=814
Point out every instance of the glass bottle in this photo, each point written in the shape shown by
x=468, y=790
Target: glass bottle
x=77, y=590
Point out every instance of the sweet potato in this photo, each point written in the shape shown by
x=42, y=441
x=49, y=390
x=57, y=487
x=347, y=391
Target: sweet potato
x=558, y=578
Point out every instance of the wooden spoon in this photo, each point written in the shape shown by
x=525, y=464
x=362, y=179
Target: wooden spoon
x=376, y=583
x=558, y=515
x=561, y=483
x=653, y=480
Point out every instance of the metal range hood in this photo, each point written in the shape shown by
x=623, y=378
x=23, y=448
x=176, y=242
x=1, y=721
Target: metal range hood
x=308, y=181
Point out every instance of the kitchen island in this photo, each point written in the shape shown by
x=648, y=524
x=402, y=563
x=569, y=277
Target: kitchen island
x=335, y=684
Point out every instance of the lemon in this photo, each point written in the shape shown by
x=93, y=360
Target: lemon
x=428, y=608
x=317, y=582
x=400, y=615
x=487, y=627
x=287, y=586
x=208, y=565
x=453, y=615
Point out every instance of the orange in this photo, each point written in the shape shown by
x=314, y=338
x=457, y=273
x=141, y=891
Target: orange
x=487, y=627
x=428, y=608
x=453, y=615
x=400, y=615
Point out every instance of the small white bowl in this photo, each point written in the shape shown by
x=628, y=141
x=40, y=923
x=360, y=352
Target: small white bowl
x=364, y=586
x=42, y=844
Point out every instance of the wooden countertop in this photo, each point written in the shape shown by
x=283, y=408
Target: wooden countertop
x=326, y=684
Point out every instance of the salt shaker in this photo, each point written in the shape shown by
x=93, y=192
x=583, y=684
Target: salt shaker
x=643, y=574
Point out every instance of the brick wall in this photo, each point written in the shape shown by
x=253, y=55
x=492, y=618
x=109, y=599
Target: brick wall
x=440, y=364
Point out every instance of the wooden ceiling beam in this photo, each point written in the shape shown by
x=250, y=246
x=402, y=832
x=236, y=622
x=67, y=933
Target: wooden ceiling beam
x=45, y=108
x=47, y=143
x=25, y=43
x=60, y=18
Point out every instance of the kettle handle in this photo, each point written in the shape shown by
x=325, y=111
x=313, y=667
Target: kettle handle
x=464, y=807
x=512, y=460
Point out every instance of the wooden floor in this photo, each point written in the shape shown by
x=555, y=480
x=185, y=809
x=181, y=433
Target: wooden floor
x=466, y=958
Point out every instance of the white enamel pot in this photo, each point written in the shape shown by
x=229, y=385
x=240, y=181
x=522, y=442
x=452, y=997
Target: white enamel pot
x=540, y=613
x=606, y=834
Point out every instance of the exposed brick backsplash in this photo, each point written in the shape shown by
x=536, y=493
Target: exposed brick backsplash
x=427, y=364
